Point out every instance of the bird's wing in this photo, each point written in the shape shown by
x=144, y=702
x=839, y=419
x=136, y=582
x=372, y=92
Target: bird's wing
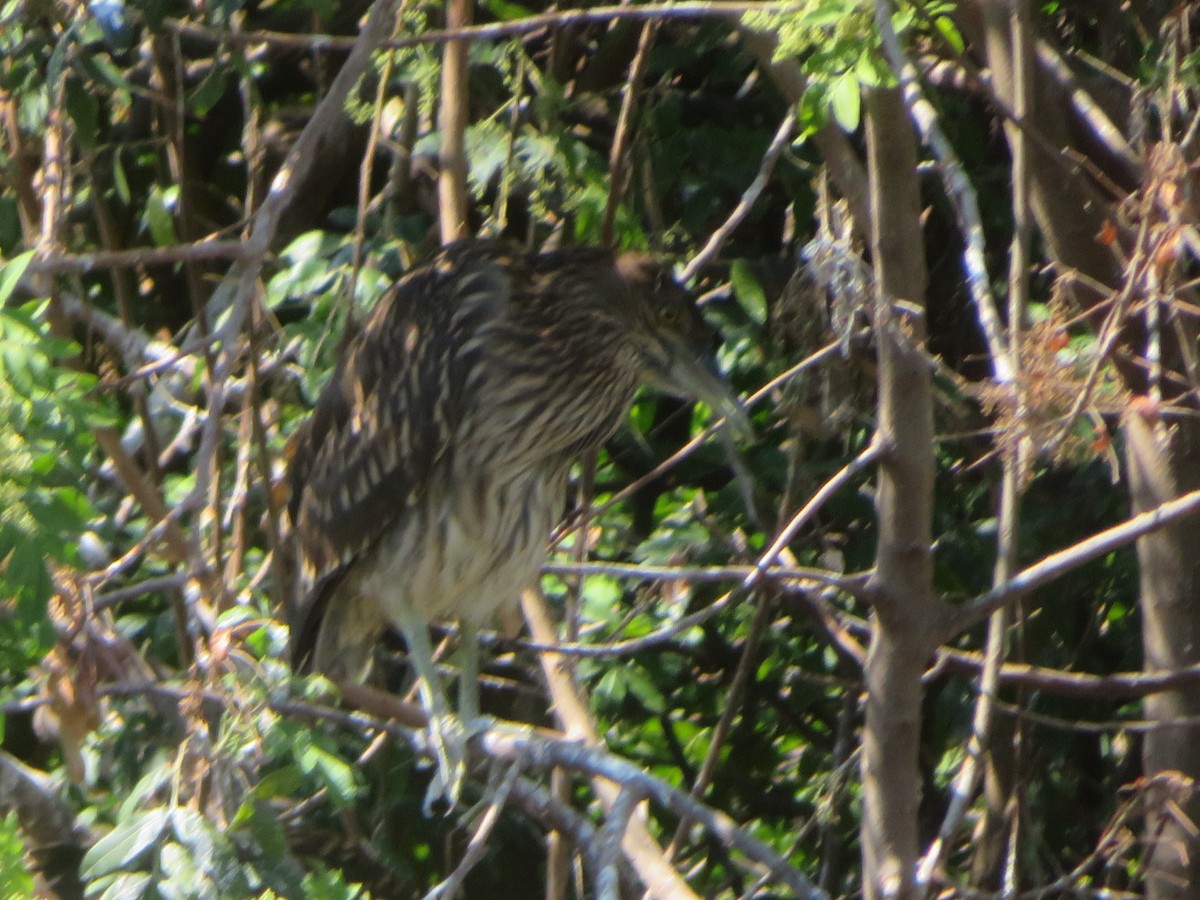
x=391, y=409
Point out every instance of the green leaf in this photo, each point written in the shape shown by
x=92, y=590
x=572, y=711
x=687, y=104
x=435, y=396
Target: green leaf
x=11, y=274
x=100, y=67
x=181, y=877
x=127, y=886
x=335, y=774
x=748, y=291
x=15, y=879
x=612, y=686
x=813, y=110
x=210, y=89
x=283, y=782
x=84, y=110
x=125, y=843
x=642, y=686
x=311, y=245
x=845, y=98
x=506, y=11
x=195, y=833
x=157, y=771
x=120, y=182
x=159, y=218
x=946, y=28
x=328, y=884
x=268, y=834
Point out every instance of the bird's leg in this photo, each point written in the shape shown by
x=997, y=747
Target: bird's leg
x=447, y=736
x=468, y=673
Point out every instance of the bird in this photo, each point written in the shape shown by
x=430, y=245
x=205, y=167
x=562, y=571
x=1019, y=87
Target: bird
x=427, y=480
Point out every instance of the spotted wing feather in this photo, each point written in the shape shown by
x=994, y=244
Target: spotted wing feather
x=391, y=408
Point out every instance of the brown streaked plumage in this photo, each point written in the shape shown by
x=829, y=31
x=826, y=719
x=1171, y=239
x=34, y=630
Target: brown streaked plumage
x=434, y=465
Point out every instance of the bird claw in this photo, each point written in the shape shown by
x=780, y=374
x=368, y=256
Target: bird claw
x=448, y=735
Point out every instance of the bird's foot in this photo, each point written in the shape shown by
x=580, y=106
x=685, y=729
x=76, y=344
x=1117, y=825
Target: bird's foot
x=448, y=736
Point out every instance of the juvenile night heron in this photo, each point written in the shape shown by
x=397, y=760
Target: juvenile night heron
x=434, y=466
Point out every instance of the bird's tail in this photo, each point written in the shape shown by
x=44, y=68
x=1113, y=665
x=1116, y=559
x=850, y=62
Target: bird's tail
x=334, y=631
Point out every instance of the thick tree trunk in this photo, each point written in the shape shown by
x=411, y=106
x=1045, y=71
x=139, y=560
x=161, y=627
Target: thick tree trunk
x=1164, y=463
x=904, y=605
x=1069, y=211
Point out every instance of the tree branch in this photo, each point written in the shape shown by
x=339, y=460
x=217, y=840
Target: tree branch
x=1058, y=564
x=453, y=112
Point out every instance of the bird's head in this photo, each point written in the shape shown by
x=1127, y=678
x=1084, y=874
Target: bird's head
x=673, y=344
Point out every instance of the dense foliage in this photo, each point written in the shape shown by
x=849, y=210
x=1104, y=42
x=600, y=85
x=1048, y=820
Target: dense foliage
x=146, y=704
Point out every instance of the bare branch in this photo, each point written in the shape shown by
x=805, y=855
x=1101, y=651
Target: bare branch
x=783, y=136
x=958, y=188
x=82, y=263
x=477, y=846
x=239, y=287
x=571, y=709
x=1060, y=683
x=513, y=743
x=1016, y=461
x=453, y=112
x=702, y=574
x=841, y=159
x=619, y=162
x=760, y=571
x=45, y=816
x=1058, y=564
x=567, y=18
x=691, y=446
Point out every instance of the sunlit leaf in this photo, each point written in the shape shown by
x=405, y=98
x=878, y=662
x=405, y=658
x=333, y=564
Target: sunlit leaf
x=845, y=101
x=125, y=843
x=10, y=274
x=159, y=216
x=946, y=28
x=749, y=292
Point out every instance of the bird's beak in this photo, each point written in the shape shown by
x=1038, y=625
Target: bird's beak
x=696, y=378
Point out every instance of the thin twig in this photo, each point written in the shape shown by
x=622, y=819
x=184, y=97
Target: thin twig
x=780, y=142
x=1058, y=564
x=567, y=18
x=612, y=836
x=136, y=591
x=544, y=753
x=958, y=188
x=571, y=710
x=619, y=162
x=365, y=173
x=762, y=565
x=731, y=708
x=703, y=574
x=759, y=572
x=477, y=846
x=540, y=804
x=56, y=263
x=1015, y=462
x=826, y=352
x=1060, y=683
x=239, y=288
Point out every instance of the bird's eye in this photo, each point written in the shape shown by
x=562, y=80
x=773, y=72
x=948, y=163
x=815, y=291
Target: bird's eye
x=669, y=316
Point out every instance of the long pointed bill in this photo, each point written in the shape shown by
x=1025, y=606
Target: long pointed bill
x=696, y=379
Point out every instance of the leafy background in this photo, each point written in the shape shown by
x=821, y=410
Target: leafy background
x=142, y=657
